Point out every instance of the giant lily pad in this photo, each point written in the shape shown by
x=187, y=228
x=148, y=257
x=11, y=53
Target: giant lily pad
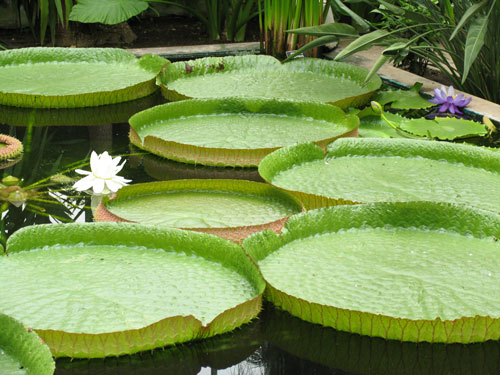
x=265, y=77
x=376, y=170
x=235, y=132
x=75, y=77
x=415, y=271
x=107, y=289
x=22, y=351
x=10, y=147
x=229, y=208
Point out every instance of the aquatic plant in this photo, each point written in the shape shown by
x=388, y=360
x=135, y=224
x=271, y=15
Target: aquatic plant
x=102, y=178
x=10, y=147
x=448, y=100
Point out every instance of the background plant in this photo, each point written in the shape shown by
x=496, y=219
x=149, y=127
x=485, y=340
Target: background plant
x=221, y=16
x=460, y=39
x=45, y=15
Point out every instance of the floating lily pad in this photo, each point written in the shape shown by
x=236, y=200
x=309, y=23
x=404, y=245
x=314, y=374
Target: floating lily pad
x=75, y=77
x=445, y=128
x=262, y=76
x=101, y=115
x=415, y=271
x=403, y=99
x=378, y=170
x=235, y=132
x=10, y=147
x=22, y=351
x=107, y=289
x=229, y=208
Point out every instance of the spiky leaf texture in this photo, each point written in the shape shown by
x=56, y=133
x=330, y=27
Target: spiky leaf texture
x=22, y=351
x=232, y=209
x=264, y=76
x=415, y=271
x=230, y=131
x=108, y=289
x=75, y=77
x=374, y=170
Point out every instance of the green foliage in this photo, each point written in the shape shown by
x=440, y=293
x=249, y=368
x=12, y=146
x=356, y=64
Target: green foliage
x=45, y=15
x=459, y=39
x=229, y=15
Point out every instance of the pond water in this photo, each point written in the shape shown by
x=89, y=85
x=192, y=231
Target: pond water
x=275, y=343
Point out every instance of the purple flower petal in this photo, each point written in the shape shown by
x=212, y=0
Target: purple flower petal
x=444, y=107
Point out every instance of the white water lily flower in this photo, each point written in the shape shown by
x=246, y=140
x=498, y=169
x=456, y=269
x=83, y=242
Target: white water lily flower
x=103, y=177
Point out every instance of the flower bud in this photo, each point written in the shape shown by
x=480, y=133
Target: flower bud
x=376, y=107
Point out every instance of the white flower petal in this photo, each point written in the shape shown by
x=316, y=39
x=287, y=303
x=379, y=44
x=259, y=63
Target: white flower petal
x=113, y=185
x=84, y=183
x=81, y=171
x=98, y=186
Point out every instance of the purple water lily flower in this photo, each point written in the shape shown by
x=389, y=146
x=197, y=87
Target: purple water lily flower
x=448, y=100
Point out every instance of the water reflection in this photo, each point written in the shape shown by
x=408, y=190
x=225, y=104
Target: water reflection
x=107, y=114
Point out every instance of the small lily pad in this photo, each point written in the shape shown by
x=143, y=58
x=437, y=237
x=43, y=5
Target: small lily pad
x=75, y=77
x=107, y=289
x=235, y=131
x=232, y=209
x=260, y=76
x=403, y=99
x=379, y=170
x=22, y=351
x=414, y=271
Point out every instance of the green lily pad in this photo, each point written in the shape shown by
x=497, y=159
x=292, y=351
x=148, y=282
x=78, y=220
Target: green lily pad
x=234, y=131
x=265, y=77
x=377, y=170
x=22, y=351
x=75, y=77
x=414, y=271
x=10, y=147
x=403, y=99
x=229, y=208
x=107, y=289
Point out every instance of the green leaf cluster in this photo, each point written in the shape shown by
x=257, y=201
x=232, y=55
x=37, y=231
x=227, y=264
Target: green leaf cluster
x=459, y=39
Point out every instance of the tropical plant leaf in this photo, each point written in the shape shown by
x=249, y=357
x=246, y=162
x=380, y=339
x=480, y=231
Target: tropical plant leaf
x=362, y=43
x=22, y=351
x=365, y=26
x=321, y=41
x=109, y=12
x=326, y=29
x=474, y=43
x=88, y=295
x=325, y=259
x=471, y=11
x=373, y=170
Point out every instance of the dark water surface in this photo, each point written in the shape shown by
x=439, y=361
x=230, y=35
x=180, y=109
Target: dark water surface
x=276, y=342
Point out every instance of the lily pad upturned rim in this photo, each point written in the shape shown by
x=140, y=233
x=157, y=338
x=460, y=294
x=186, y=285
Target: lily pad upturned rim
x=24, y=345
x=168, y=331
x=425, y=215
x=235, y=234
x=212, y=156
x=214, y=65
x=150, y=63
x=288, y=157
x=13, y=147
